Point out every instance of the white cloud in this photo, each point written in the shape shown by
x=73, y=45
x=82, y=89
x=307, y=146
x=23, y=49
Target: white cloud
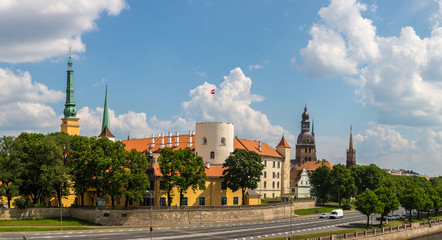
x=254, y=67
x=400, y=77
x=24, y=103
x=35, y=32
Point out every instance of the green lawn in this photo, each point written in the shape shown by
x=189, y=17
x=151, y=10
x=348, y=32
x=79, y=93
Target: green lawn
x=45, y=222
x=35, y=229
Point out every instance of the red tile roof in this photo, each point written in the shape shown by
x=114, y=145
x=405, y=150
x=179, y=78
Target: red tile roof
x=211, y=172
x=250, y=145
x=313, y=165
x=143, y=144
x=283, y=143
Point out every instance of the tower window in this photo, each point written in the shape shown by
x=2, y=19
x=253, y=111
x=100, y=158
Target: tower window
x=223, y=141
x=309, y=150
x=212, y=155
x=273, y=184
x=305, y=150
x=265, y=185
x=277, y=184
x=265, y=174
x=204, y=140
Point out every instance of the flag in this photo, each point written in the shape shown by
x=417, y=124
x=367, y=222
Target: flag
x=212, y=92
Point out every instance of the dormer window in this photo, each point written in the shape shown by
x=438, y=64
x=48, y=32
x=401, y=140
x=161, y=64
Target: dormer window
x=204, y=140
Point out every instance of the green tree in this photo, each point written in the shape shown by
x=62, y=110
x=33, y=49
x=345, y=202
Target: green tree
x=370, y=177
x=368, y=203
x=244, y=169
x=191, y=172
x=342, y=183
x=436, y=196
x=389, y=200
x=42, y=161
x=320, y=181
x=10, y=169
x=138, y=181
x=414, y=198
x=169, y=164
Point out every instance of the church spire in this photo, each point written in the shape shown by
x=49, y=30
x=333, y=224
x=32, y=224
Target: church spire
x=350, y=144
x=69, y=124
x=69, y=109
x=106, y=121
x=351, y=153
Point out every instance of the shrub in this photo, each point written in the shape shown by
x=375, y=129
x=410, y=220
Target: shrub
x=345, y=203
x=22, y=202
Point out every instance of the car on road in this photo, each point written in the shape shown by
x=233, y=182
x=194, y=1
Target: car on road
x=390, y=217
x=337, y=213
x=324, y=215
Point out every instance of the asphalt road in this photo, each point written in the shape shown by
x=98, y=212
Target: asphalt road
x=245, y=230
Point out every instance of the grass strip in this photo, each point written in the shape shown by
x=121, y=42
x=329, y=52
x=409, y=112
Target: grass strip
x=35, y=229
x=46, y=222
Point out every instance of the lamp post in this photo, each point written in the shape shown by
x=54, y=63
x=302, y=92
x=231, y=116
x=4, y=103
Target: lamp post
x=291, y=212
x=61, y=208
x=151, y=203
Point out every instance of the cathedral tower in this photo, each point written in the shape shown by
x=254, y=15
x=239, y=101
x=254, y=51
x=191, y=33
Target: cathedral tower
x=351, y=153
x=305, y=145
x=105, y=126
x=69, y=124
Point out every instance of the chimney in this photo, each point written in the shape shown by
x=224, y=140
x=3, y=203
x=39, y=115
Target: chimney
x=152, y=142
x=162, y=141
x=169, y=140
x=177, y=140
x=259, y=146
x=189, y=144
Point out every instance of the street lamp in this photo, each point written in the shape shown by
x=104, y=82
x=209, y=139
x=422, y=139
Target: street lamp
x=151, y=203
x=61, y=208
x=291, y=212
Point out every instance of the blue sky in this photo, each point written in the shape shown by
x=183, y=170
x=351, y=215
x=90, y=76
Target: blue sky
x=375, y=65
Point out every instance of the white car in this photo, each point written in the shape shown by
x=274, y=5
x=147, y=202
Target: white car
x=324, y=215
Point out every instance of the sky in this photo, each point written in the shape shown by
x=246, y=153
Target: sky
x=373, y=65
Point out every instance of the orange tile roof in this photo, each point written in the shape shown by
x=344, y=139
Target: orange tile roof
x=313, y=165
x=143, y=144
x=283, y=143
x=250, y=145
x=211, y=172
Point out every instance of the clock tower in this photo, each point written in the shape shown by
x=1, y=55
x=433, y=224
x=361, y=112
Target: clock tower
x=69, y=124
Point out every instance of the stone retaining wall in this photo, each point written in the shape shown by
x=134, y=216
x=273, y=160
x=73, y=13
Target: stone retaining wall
x=142, y=216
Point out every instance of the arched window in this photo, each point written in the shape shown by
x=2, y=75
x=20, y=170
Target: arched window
x=204, y=140
x=223, y=141
x=273, y=184
x=277, y=184
x=212, y=154
x=265, y=184
x=305, y=149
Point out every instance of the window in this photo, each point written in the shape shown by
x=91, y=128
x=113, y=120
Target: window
x=273, y=163
x=265, y=174
x=309, y=150
x=273, y=184
x=273, y=195
x=279, y=165
x=223, y=186
x=301, y=182
x=235, y=200
x=162, y=202
x=162, y=185
x=306, y=159
x=277, y=184
x=265, y=163
x=278, y=175
x=152, y=185
x=92, y=201
x=309, y=158
x=265, y=195
x=223, y=200
x=223, y=141
x=305, y=149
x=184, y=201
x=212, y=155
x=202, y=201
x=118, y=202
x=204, y=140
x=273, y=174
x=265, y=185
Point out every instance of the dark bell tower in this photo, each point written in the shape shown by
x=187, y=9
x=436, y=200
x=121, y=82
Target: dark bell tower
x=305, y=146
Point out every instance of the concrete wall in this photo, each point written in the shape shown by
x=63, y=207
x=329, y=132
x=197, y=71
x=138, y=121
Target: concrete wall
x=416, y=231
x=32, y=213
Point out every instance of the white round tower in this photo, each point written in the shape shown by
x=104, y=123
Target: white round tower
x=214, y=141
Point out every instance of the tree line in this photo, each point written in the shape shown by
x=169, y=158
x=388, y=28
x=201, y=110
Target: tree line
x=35, y=166
x=375, y=190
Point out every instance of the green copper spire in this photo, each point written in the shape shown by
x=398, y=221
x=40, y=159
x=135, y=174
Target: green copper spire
x=69, y=109
x=106, y=121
